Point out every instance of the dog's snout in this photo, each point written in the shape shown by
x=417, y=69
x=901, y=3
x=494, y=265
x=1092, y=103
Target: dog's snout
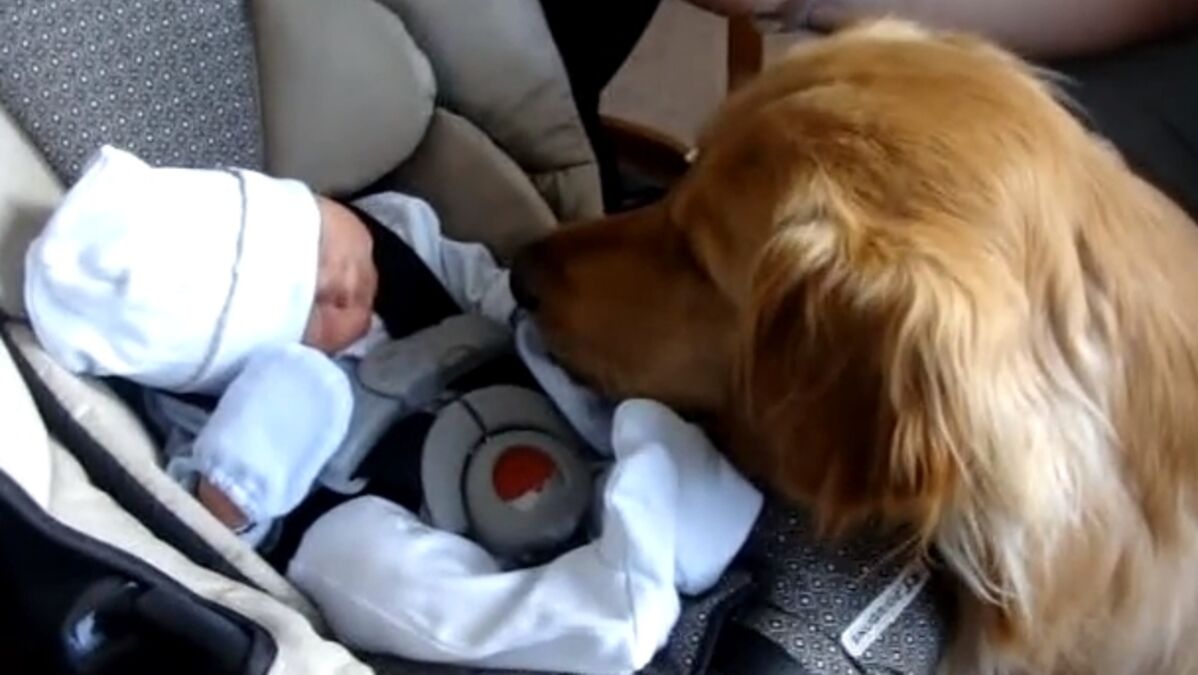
x=522, y=280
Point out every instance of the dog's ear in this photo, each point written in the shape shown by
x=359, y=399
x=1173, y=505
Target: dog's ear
x=905, y=370
x=882, y=371
x=843, y=370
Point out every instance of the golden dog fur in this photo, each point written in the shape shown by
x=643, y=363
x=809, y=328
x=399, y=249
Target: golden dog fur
x=907, y=284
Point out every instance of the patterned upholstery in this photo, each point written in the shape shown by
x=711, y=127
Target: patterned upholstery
x=810, y=593
x=174, y=81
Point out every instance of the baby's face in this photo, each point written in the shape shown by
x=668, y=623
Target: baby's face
x=346, y=282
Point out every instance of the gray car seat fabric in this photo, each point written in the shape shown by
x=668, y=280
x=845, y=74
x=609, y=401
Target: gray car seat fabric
x=174, y=81
x=335, y=94
x=811, y=594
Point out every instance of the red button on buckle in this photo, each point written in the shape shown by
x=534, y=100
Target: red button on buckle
x=522, y=471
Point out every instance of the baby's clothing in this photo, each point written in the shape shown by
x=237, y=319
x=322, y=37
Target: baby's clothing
x=589, y=413
x=423, y=277
x=291, y=436
x=467, y=271
x=273, y=430
x=266, y=482
x=673, y=515
x=670, y=512
x=172, y=277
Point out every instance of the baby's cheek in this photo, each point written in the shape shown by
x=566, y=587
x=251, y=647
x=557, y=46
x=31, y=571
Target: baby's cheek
x=331, y=328
x=314, y=331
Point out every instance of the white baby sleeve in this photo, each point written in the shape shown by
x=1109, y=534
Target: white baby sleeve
x=717, y=506
x=387, y=583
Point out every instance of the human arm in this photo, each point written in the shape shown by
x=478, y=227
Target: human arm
x=1031, y=27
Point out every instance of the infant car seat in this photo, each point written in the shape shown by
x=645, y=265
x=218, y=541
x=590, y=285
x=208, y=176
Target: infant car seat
x=106, y=564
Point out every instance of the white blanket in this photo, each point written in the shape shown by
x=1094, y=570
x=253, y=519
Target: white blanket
x=674, y=513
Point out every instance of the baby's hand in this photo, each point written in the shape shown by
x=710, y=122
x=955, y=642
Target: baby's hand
x=219, y=505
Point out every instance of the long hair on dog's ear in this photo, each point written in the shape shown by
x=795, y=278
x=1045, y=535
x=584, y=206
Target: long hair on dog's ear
x=828, y=372
x=897, y=369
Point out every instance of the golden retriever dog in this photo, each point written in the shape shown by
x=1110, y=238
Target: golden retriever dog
x=906, y=284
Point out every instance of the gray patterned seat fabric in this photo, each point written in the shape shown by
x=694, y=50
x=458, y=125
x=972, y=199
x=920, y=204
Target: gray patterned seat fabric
x=174, y=81
x=810, y=594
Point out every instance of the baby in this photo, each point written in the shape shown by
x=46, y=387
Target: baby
x=283, y=306
x=233, y=284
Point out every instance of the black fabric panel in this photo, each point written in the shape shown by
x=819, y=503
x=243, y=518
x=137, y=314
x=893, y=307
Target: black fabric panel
x=107, y=474
x=281, y=545
x=713, y=621
x=1145, y=100
x=594, y=39
x=694, y=637
x=394, y=468
x=410, y=297
x=740, y=650
x=72, y=604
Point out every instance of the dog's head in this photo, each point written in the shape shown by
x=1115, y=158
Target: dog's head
x=873, y=264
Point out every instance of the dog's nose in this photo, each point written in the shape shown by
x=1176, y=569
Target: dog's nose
x=520, y=280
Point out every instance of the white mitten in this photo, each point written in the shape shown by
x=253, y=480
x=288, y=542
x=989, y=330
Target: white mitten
x=276, y=425
x=716, y=508
x=387, y=583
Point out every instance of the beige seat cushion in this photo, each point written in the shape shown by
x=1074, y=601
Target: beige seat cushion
x=28, y=193
x=497, y=65
x=477, y=190
x=114, y=427
x=78, y=504
x=346, y=94
x=23, y=430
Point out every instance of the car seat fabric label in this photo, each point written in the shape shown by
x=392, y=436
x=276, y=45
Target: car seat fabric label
x=884, y=609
